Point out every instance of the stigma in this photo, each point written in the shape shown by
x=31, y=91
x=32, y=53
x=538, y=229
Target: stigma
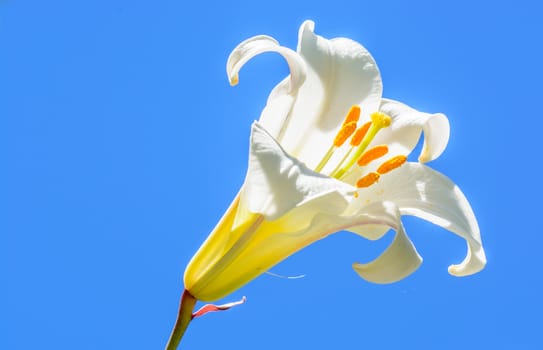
x=380, y=119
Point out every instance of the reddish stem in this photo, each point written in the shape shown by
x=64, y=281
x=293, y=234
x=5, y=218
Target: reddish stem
x=184, y=317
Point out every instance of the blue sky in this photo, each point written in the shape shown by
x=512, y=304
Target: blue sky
x=122, y=143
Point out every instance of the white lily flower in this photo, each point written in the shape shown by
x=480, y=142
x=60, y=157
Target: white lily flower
x=313, y=172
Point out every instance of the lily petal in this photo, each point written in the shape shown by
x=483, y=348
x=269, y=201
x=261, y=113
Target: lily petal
x=256, y=45
x=340, y=73
x=400, y=259
x=406, y=128
x=371, y=232
x=282, y=98
x=276, y=182
x=397, y=262
x=420, y=191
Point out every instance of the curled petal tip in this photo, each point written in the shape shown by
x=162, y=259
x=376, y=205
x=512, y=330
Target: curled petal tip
x=234, y=80
x=424, y=157
x=259, y=44
x=461, y=270
x=455, y=270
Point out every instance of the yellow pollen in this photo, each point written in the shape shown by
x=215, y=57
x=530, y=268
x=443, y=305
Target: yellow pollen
x=380, y=119
x=391, y=164
x=359, y=134
x=372, y=154
x=368, y=180
x=356, y=195
x=346, y=131
x=353, y=115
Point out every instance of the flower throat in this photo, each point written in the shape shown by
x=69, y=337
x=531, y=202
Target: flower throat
x=360, y=138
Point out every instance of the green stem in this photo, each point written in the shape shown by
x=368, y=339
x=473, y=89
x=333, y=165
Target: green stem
x=183, y=319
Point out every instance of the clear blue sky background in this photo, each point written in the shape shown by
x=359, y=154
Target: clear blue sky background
x=122, y=143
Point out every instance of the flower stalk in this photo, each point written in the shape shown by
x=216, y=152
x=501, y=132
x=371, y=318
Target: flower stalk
x=184, y=316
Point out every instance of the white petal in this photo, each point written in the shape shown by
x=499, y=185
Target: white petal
x=276, y=182
x=399, y=260
x=420, y=191
x=279, y=103
x=256, y=45
x=327, y=207
x=371, y=232
x=282, y=98
x=340, y=73
x=407, y=125
x=278, y=109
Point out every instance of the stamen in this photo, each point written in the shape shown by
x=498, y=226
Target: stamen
x=353, y=115
x=368, y=180
x=379, y=120
x=392, y=164
x=372, y=154
x=347, y=129
x=344, y=133
x=359, y=134
x=325, y=159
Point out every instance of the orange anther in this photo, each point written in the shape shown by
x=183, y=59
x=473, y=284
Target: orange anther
x=353, y=115
x=359, y=134
x=372, y=154
x=391, y=164
x=346, y=131
x=368, y=180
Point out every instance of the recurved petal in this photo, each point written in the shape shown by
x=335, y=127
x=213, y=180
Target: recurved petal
x=256, y=45
x=282, y=98
x=276, y=182
x=406, y=128
x=420, y=191
x=371, y=232
x=400, y=259
x=340, y=73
